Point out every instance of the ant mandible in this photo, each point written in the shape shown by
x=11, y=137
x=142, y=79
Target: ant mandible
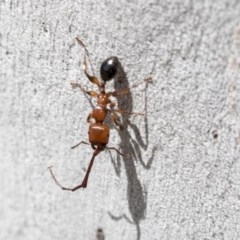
x=98, y=131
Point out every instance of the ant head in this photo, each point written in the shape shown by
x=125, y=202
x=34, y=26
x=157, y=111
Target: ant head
x=109, y=68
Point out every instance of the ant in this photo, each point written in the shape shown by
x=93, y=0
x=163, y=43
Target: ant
x=98, y=131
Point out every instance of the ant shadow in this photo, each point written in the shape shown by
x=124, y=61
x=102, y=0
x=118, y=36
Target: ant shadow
x=136, y=194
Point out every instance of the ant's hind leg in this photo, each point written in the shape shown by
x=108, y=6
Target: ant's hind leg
x=113, y=148
x=79, y=144
x=85, y=180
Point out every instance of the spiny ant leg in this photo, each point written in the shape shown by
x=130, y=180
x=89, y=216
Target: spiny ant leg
x=79, y=144
x=85, y=180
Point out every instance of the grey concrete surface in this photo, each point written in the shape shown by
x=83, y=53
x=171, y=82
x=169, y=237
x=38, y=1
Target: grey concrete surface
x=182, y=179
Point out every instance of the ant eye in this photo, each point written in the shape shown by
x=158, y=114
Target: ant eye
x=109, y=68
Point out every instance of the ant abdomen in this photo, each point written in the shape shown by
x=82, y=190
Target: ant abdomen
x=109, y=68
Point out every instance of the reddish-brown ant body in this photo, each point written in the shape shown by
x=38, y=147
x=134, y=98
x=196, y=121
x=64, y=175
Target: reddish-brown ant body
x=98, y=131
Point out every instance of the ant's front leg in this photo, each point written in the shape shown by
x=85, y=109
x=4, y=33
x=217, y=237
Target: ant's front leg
x=90, y=93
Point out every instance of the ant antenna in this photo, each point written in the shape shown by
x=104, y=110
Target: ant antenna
x=80, y=42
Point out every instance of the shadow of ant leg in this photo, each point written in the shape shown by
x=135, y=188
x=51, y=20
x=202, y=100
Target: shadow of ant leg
x=121, y=92
x=116, y=163
x=79, y=144
x=148, y=163
x=123, y=216
x=146, y=80
x=138, y=136
x=140, y=141
x=130, y=113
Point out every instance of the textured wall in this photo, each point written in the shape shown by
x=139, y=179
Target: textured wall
x=182, y=180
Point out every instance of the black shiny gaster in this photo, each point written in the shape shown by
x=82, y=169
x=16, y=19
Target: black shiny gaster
x=109, y=68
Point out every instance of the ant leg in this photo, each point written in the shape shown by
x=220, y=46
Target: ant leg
x=54, y=178
x=90, y=93
x=79, y=144
x=85, y=180
x=113, y=148
x=114, y=118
